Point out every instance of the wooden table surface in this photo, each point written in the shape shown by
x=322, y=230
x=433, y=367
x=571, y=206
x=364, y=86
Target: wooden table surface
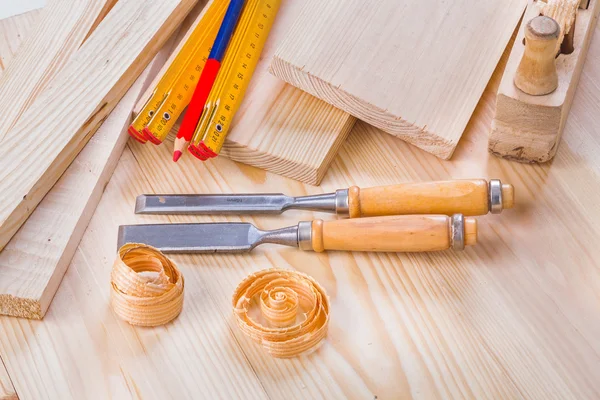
x=517, y=316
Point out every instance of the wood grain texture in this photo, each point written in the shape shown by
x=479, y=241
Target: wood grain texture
x=280, y=128
x=528, y=128
x=12, y=31
x=76, y=103
x=416, y=71
x=62, y=28
x=513, y=317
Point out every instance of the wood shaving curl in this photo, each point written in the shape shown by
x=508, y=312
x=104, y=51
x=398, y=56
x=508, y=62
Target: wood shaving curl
x=285, y=311
x=146, y=287
x=563, y=12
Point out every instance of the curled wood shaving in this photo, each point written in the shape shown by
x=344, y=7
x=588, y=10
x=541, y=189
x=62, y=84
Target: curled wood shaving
x=563, y=12
x=146, y=287
x=285, y=311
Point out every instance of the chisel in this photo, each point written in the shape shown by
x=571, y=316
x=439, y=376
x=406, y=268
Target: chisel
x=400, y=233
x=468, y=197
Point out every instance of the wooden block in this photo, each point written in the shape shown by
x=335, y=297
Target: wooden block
x=416, y=71
x=280, y=128
x=63, y=27
x=527, y=128
x=62, y=119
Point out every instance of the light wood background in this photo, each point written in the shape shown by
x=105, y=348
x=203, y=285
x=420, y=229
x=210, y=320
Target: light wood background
x=516, y=316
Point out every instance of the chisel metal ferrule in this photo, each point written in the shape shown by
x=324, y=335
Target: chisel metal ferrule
x=495, y=196
x=458, y=232
x=305, y=235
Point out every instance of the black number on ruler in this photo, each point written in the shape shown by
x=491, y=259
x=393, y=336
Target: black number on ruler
x=173, y=107
x=261, y=26
x=227, y=107
x=192, y=77
x=268, y=5
x=244, y=65
x=179, y=97
x=198, y=68
x=265, y=16
x=257, y=35
x=222, y=118
x=248, y=55
x=186, y=87
x=232, y=97
x=236, y=86
x=252, y=45
x=240, y=75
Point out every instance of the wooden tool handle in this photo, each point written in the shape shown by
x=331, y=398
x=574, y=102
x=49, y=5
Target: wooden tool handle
x=400, y=233
x=468, y=197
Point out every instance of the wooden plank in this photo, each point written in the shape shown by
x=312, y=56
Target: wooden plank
x=281, y=128
x=78, y=101
x=62, y=29
x=528, y=128
x=415, y=71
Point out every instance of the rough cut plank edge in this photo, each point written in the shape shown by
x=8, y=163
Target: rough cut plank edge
x=528, y=128
x=293, y=169
x=84, y=117
x=407, y=131
x=45, y=51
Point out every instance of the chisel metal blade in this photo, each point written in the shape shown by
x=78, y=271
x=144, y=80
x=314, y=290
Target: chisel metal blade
x=260, y=203
x=205, y=238
x=212, y=204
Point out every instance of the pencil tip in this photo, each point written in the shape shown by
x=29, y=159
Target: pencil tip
x=176, y=155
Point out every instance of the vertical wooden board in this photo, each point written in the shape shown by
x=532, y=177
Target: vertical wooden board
x=415, y=70
x=77, y=101
x=61, y=30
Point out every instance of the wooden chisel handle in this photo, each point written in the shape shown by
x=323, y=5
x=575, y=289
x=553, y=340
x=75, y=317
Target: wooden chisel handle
x=468, y=197
x=401, y=233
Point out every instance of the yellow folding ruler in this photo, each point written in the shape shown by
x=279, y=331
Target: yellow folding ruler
x=176, y=87
x=237, y=68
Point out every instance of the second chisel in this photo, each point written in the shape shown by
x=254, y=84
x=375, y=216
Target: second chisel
x=468, y=197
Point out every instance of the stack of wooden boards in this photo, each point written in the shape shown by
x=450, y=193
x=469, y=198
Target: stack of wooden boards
x=57, y=91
